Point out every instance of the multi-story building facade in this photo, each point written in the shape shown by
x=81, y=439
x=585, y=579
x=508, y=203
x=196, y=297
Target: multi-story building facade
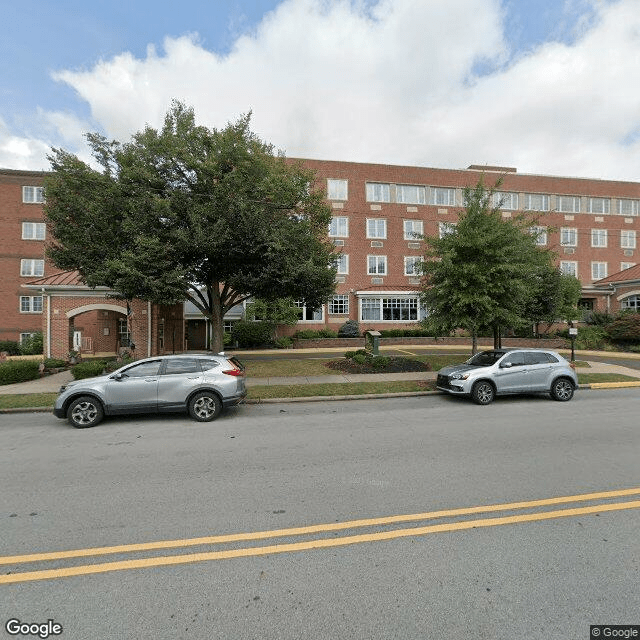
x=379, y=214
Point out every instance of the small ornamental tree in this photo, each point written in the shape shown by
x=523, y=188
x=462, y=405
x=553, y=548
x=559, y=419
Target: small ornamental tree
x=187, y=212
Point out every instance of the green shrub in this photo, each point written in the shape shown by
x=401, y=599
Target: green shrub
x=227, y=339
x=359, y=358
x=54, y=363
x=380, y=362
x=350, y=329
x=89, y=369
x=592, y=337
x=19, y=371
x=328, y=333
x=284, y=342
x=10, y=346
x=625, y=328
x=349, y=354
x=113, y=365
x=307, y=334
x=33, y=345
x=252, y=334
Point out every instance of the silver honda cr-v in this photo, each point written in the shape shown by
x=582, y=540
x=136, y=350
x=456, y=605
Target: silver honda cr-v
x=504, y=371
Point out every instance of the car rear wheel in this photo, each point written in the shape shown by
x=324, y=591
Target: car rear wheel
x=562, y=390
x=482, y=392
x=84, y=412
x=205, y=406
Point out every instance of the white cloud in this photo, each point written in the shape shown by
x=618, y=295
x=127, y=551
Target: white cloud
x=20, y=152
x=394, y=82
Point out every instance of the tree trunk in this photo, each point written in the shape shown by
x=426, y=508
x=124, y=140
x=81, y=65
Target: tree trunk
x=216, y=323
x=474, y=342
x=497, y=337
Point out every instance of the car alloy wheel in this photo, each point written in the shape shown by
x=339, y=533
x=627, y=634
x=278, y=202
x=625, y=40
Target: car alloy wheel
x=205, y=406
x=482, y=393
x=562, y=390
x=85, y=412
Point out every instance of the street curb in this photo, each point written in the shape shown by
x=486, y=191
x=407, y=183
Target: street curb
x=364, y=396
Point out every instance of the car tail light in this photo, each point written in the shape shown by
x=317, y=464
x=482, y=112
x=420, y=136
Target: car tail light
x=236, y=371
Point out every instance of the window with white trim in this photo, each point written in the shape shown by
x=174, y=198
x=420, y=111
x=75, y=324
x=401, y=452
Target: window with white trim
x=377, y=265
x=413, y=229
x=34, y=230
x=411, y=194
x=505, y=200
x=540, y=234
x=32, y=195
x=598, y=270
x=30, y=267
x=631, y=302
x=376, y=228
x=569, y=237
x=626, y=265
x=598, y=237
x=307, y=314
x=378, y=192
x=339, y=304
x=569, y=268
x=536, y=202
x=445, y=228
x=568, y=204
x=30, y=304
x=410, y=265
x=443, y=197
x=599, y=205
x=627, y=239
x=342, y=264
x=337, y=189
x=400, y=309
x=628, y=207
x=26, y=336
x=339, y=227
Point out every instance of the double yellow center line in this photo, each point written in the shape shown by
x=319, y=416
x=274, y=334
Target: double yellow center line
x=316, y=543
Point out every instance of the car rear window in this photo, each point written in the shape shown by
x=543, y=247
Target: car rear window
x=207, y=365
x=182, y=365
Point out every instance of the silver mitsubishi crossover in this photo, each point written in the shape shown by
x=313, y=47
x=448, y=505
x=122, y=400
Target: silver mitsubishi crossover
x=504, y=371
x=200, y=384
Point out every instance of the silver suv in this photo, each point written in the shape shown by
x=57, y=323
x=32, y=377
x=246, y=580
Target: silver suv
x=200, y=384
x=503, y=371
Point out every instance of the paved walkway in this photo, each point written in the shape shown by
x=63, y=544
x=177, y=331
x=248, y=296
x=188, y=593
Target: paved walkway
x=51, y=384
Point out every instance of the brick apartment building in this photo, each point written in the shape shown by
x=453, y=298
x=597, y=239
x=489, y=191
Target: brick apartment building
x=592, y=226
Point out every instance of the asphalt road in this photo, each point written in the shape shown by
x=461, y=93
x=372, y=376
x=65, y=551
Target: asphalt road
x=524, y=569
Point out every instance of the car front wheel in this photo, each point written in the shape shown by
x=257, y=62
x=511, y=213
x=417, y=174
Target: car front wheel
x=482, y=392
x=562, y=390
x=205, y=406
x=84, y=412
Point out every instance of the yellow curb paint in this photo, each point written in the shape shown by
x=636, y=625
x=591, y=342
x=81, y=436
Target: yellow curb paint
x=613, y=385
x=312, y=544
x=318, y=528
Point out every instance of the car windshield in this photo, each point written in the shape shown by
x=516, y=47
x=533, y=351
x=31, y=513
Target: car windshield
x=485, y=358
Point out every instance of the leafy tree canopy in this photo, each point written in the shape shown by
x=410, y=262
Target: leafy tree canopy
x=187, y=212
x=486, y=271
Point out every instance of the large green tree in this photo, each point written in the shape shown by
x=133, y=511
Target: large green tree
x=187, y=212
x=484, y=272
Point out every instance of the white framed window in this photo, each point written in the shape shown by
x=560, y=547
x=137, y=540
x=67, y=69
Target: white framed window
x=377, y=265
x=376, y=228
x=505, y=200
x=411, y=194
x=568, y=204
x=378, y=192
x=339, y=227
x=632, y=302
x=391, y=309
x=569, y=237
x=34, y=230
x=339, y=304
x=569, y=268
x=337, y=189
x=628, y=207
x=410, y=265
x=599, y=205
x=31, y=267
x=342, y=264
x=30, y=304
x=536, y=202
x=627, y=239
x=626, y=265
x=443, y=197
x=307, y=314
x=540, y=234
x=598, y=237
x=598, y=270
x=26, y=336
x=413, y=229
x=32, y=195
x=445, y=228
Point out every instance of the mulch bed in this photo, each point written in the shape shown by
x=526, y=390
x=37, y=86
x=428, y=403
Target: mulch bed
x=396, y=365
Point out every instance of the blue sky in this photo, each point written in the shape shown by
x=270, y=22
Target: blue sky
x=442, y=83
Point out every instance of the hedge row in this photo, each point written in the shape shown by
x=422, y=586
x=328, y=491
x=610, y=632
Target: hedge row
x=19, y=371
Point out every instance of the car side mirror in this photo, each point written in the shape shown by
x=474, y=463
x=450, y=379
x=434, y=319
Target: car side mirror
x=506, y=365
x=117, y=376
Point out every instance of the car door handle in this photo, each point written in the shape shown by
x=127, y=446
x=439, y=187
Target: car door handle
x=193, y=377
x=151, y=379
